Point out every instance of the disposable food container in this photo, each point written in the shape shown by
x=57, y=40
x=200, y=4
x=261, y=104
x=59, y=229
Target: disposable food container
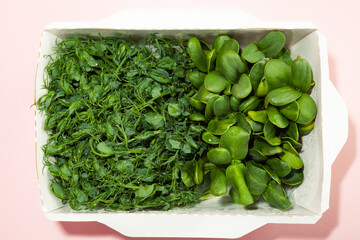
x=216, y=217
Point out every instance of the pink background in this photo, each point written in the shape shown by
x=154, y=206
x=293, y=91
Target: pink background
x=21, y=24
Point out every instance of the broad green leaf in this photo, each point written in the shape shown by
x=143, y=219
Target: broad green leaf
x=235, y=174
x=257, y=155
x=250, y=104
x=218, y=185
x=193, y=102
x=257, y=73
x=203, y=188
x=263, y=88
x=199, y=172
x=234, y=103
x=236, y=140
x=229, y=45
x=269, y=130
x=274, y=195
x=219, y=42
x=291, y=142
x=234, y=196
x=255, y=126
x=290, y=111
x=252, y=54
x=290, y=147
x=209, y=109
x=220, y=126
x=275, y=141
x=242, y=88
x=187, y=174
x=265, y=148
x=256, y=178
x=221, y=106
x=277, y=73
x=210, y=138
x=258, y=116
x=204, y=95
x=242, y=122
x=281, y=168
x=292, y=131
x=216, y=82
x=197, y=78
x=272, y=43
x=292, y=159
x=219, y=156
x=210, y=60
x=301, y=74
x=231, y=65
x=308, y=109
x=271, y=173
x=296, y=177
x=306, y=128
x=197, y=117
x=277, y=118
x=282, y=96
x=197, y=54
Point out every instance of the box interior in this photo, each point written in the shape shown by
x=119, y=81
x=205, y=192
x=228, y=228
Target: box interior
x=306, y=198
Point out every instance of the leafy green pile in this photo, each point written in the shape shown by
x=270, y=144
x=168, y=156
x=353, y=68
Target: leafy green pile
x=116, y=114
x=255, y=105
x=159, y=124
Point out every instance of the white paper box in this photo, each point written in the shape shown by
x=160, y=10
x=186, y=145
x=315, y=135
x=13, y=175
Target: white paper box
x=215, y=217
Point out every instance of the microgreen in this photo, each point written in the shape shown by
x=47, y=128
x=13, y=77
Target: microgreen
x=116, y=113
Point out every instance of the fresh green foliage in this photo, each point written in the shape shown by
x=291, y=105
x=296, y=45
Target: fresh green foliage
x=218, y=186
x=157, y=124
x=301, y=74
x=197, y=54
x=117, y=116
x=235, y=174
x=254, y=119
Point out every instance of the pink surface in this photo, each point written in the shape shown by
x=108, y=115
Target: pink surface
x=22, y=23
